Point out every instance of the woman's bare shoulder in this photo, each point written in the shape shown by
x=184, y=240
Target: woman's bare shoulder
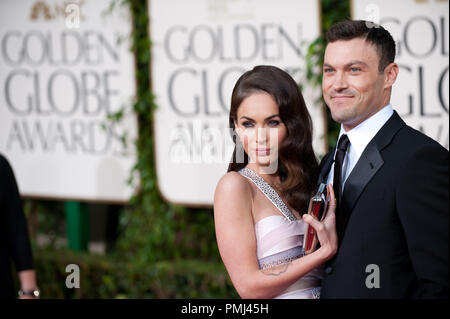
x=233, y=201
x=234, y=185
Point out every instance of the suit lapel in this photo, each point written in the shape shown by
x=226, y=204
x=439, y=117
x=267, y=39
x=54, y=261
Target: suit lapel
x=367, y=166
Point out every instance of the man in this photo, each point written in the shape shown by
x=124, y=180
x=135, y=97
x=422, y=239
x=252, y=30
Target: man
x=390, y=180
x=14, y=239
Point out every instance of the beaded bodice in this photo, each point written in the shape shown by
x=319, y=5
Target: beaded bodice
x=267, y=190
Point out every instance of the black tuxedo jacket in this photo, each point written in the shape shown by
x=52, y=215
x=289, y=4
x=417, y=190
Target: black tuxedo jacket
x=395, y=202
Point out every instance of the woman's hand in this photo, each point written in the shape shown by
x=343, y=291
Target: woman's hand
x=326, y=229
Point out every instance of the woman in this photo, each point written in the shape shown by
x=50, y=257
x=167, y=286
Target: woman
x=260, y=204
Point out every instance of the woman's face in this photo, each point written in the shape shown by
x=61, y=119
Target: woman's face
x=260, y=128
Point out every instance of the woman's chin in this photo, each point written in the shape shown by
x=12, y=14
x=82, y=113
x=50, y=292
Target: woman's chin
x=264, y=161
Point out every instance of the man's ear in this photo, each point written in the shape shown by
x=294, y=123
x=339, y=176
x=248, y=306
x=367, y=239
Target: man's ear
x=390, y=75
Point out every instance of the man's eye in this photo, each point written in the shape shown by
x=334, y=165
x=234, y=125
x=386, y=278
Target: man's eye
x=355, y=69
x=327, y=70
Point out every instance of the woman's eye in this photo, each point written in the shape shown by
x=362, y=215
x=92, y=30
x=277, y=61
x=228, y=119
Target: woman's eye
x=247, y=124
x=274, y=123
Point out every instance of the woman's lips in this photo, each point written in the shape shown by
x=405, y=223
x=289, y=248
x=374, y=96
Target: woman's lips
x=262, y=151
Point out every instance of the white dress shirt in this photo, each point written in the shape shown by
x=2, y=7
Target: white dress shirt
x=359, y=137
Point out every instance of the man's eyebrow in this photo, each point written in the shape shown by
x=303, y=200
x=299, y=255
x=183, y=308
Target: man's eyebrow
x=348, y=64
x=267, y=118
x=355, y=62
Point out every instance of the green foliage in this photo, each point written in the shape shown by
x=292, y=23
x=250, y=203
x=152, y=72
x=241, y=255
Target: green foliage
x=112, y=277
x=332, y=11
x=151, y=229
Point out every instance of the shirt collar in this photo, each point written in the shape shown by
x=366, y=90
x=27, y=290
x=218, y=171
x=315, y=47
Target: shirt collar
x=362, y=134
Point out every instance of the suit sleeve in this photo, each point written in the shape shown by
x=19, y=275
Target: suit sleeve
x=422, y=202
x=17, y=229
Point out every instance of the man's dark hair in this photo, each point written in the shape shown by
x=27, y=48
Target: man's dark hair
x=372, y=32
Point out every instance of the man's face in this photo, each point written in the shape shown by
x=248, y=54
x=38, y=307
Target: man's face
x=352, y=86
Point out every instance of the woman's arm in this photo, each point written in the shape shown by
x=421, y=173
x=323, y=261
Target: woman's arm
x=237, y=243
x=27, y=280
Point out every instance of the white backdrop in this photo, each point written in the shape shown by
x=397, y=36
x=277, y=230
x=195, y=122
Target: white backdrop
x=421, y=32
x=199, y=50
x=63, y=69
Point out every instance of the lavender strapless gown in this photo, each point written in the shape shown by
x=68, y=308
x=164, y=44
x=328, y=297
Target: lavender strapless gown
x=279, y=240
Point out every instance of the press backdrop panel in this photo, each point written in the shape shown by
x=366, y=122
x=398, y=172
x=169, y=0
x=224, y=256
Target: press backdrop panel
x=64, y=67
x=199, y=50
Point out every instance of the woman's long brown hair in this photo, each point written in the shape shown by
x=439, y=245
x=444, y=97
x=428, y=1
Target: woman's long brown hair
x=297, y=164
